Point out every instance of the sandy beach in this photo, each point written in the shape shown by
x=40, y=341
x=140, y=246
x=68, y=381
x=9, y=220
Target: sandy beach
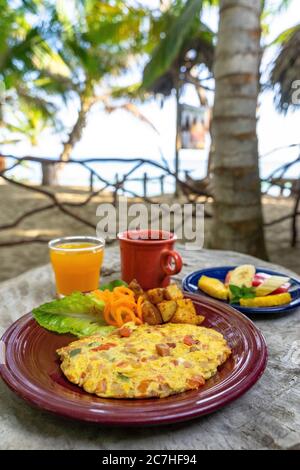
x=52, y=223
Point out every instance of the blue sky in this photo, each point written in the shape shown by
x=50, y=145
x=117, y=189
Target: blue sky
x=121, y=135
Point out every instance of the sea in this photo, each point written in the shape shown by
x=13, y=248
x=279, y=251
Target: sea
x=192, y=161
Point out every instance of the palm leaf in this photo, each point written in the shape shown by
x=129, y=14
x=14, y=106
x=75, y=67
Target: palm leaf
x=134, y=110
x=286, y=71
x=9, y=141
x=284, y=36
x=45, y=58
x=37, y=103
x=170, y=46
x=131, y=91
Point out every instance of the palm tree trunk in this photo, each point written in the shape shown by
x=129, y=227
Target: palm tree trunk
x=238, y=221
x=2, y=163
x=178, y=143
x=75, y=135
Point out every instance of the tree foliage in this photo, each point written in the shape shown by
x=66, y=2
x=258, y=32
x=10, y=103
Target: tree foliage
x=181, y=41
x=170, y=46
x=24, y=57
x=54, y=52
x=286, y=69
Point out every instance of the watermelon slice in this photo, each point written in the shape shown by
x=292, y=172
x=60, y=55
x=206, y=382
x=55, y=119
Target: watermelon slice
x=261, y=278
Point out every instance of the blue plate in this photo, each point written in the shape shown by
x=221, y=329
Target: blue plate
x=190, y=284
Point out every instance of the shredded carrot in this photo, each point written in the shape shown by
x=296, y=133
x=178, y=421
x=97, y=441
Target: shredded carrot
x=139, y=308
x=109, y=318
x=122, y=290
x=120, y=311
x=120, y=306
x=123, y=301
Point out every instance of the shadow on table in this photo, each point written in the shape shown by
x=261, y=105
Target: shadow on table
x=270, y=316
x=33, y=428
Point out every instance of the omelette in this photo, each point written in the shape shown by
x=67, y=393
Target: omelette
x=145, y=361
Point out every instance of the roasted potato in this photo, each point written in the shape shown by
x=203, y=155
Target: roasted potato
x=167, y=309
x=137, y=289
x=186, y=313
x=173, y=292
x=151, y=314
x=156, y=295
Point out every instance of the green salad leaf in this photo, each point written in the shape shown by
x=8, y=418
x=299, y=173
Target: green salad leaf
x=111, y=285
x=77, y=313
x=243, y=292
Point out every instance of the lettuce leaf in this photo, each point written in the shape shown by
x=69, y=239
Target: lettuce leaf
x=111, y=285
x=77, y=313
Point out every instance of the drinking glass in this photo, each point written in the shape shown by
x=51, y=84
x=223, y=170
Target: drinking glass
x=76, y=262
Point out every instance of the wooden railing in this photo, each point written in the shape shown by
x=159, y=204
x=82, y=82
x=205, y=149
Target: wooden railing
x=191, y=189
x=278, y=178
x=115, y=186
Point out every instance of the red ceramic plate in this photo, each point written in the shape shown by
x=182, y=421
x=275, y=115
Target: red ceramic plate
x=30, y=368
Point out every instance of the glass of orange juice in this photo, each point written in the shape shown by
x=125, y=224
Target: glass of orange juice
x=76, y=262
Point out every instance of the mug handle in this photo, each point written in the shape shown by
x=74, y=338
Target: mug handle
x=165, y=262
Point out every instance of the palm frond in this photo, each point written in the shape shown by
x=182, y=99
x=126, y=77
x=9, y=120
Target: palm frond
x=132, y=109
x=286, y=71
x=169, y=47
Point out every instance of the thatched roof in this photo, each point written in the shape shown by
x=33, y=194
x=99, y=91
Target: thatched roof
x=286, y=71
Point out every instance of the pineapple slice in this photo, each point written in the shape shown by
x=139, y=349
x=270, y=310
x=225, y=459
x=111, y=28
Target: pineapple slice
x=267, y=301
x=213, y=287
x=242, y=275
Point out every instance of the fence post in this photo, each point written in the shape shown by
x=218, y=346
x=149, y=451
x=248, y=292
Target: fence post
x=145, y=182
x=162, y=184
x=91, y=182
x=295, y=220
x=116, y=189
x=49, y=173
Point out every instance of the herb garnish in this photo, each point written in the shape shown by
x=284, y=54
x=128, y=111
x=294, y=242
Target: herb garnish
x=123, y=377
x=74, y=352
x=241, y=293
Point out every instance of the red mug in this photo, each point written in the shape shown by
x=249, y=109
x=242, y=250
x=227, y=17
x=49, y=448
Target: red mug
x=146, y=255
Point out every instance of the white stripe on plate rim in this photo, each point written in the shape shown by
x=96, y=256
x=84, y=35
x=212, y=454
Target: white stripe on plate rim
x=2, y=352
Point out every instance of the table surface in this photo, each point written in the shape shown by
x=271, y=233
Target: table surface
x=266, y=417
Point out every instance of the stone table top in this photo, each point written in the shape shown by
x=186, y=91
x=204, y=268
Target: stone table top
x=266, y=417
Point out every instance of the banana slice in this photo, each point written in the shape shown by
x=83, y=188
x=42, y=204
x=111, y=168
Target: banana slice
x=243, y=275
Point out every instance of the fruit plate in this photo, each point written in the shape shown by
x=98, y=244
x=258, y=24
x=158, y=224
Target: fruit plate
x=30, y=367
x=190, y=284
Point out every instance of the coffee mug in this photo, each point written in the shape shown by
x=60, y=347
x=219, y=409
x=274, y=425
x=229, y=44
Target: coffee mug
x=147, y=256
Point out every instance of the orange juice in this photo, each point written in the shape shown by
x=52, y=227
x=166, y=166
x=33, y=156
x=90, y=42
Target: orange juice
x=76, y=264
